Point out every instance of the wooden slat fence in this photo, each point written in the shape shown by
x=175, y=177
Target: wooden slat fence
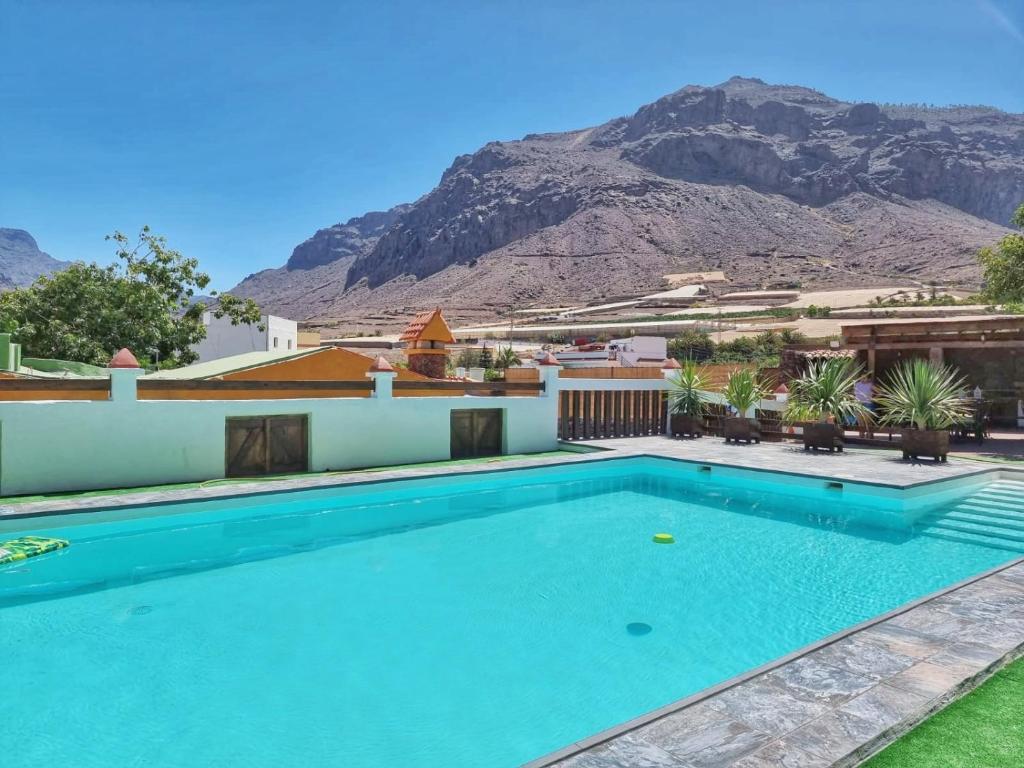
x=606, y=413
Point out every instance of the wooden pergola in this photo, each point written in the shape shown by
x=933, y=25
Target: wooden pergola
x=935, y=336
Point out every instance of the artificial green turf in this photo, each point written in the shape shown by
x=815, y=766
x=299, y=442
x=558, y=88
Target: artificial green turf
x=229, y=481
x=984, y=729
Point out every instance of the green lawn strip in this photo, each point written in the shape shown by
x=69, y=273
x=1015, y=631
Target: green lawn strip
x=12, y=500
x=984, y=729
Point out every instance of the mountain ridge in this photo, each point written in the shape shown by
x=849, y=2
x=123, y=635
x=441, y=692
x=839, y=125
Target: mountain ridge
x=21, y=261
x=774, y=183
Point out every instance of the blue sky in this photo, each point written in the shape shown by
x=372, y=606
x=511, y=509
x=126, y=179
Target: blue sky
x=239, y=128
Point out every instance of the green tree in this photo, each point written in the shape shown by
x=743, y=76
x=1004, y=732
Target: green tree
x=691, y=344
x=145, y=301
x=1003, y=265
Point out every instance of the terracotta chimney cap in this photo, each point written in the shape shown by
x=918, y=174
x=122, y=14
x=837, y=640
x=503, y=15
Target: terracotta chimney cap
x=548, y=359
x=123, y=359
x=670, y=364
x=380, y=365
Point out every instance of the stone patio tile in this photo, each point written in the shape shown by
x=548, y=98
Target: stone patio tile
x=900, y=640
x=810, y=679
x=885, y=706
x=702, y=736
x=835, y=734
x=863, y=658
x=1010, y=590
x=626, y=751
x=995, y=598
x=1014, y=574
x=966, y=658
x=767, y=706
x=928, y=680
x=933, y=622
x=781, y=754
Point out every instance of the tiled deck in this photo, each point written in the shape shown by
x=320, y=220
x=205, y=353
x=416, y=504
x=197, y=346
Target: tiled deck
x=863, y=465
x=830, y=704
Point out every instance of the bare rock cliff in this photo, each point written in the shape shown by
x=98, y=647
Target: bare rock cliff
x=769, y=182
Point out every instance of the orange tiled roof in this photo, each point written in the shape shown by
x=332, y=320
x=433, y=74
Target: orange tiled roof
x=428, y=326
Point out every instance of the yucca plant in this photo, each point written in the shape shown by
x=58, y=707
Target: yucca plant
x=687, y=394
x=743, y=391
x=925, y=395
x=826, y=390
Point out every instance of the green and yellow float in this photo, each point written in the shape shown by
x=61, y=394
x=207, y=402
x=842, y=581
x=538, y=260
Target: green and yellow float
x=28, y=546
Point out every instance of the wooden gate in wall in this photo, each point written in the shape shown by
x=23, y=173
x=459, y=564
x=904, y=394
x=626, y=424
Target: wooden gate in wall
x=476, y=432
x=266, y=445
x=594, y=414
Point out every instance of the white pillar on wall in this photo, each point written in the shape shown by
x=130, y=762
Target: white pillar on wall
x=124, y=377
x=669, y=370
x=383, y=374
x=550, y=369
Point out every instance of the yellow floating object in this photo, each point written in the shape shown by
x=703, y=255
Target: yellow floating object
x=28, y=546
x=664, y=538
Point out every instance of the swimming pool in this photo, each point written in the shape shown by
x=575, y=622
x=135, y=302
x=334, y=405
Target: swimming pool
x=481, y=620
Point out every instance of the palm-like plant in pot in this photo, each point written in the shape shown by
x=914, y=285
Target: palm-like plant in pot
x=744, y=393
x=823, y=398
x=925, y=399
x=687, y=400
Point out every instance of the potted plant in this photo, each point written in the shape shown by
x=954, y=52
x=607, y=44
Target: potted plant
x=822, y=399
x=687, y=400
x=743, y=392
x=926, y=399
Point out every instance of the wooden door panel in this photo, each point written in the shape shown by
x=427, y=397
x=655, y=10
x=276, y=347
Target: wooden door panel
x=476, y=432
x=260, y=445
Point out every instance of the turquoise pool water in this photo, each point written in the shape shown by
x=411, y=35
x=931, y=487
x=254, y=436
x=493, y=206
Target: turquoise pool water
x=470, y=621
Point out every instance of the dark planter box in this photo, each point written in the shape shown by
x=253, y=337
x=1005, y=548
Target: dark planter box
x=821, y=434
x=738, y=428
x=933, y=443
x=682, y=424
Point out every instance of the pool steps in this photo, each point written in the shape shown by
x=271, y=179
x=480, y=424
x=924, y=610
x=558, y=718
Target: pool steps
x=992, y=516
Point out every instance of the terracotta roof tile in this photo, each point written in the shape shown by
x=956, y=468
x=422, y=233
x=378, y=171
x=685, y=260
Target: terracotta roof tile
x=123, y=359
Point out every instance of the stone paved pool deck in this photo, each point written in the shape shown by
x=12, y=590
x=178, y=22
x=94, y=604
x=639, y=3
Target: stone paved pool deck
x=832, y=703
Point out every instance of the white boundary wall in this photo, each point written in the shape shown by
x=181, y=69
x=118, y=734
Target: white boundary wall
x=76, y=445
x=48, y=446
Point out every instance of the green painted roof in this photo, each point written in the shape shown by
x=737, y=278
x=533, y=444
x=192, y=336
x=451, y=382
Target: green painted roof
x=231, y=364
x=40, y=365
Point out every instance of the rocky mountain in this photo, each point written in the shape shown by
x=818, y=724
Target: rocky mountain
x=774, y=184
x=21, y=261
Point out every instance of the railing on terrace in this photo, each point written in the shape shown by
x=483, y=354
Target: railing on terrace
x=606, y=413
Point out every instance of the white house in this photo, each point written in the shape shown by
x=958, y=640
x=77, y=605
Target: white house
x=636, y=351
x=224, y=339
x=639, y=350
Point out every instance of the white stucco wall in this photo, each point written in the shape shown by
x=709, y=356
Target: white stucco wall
x=52, y=446
x=224, y=339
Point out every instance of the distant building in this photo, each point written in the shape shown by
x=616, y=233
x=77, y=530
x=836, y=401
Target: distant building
x=308, y=339
x=636, y=351
x=426, y=344
x=224, y=339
